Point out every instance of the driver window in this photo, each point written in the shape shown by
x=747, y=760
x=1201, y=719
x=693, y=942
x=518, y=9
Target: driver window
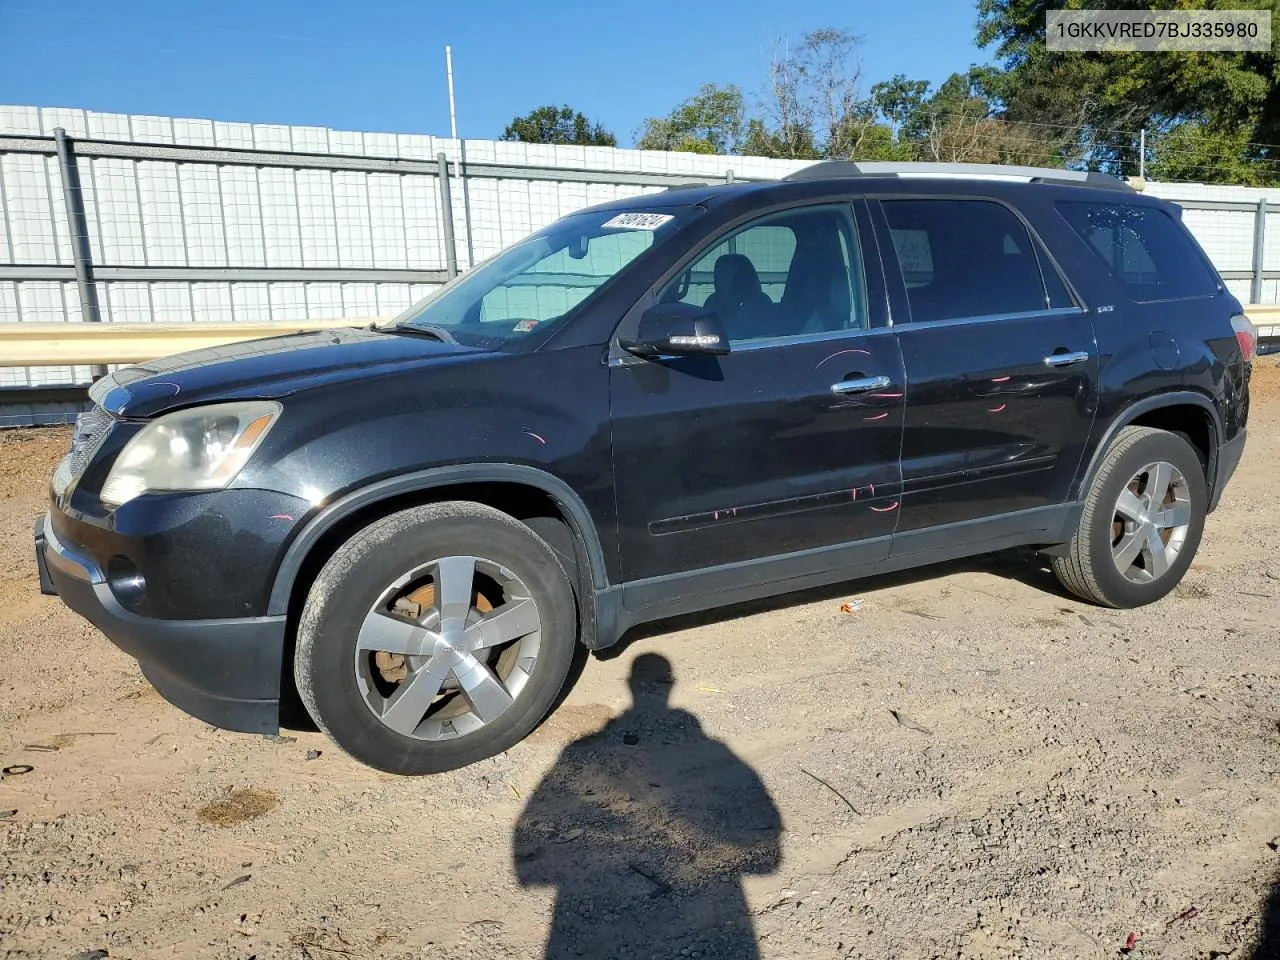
x=792, y=274
x=562, y=280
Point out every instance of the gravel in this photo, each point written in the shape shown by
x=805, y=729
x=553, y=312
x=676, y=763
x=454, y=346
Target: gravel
x=971, y=765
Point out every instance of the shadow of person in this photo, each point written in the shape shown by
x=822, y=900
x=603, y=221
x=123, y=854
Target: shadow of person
x=1268, y=946
x=646, y=829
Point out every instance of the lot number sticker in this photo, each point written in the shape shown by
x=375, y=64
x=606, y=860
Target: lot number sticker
x=637, y=221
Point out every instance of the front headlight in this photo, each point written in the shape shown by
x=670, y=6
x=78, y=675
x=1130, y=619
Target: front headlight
x=198, y=449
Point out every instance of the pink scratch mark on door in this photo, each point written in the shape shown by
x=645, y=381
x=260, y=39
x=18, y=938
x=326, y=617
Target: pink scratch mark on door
x=887, y=396
x=892, y=506
x=996, y=409
x=878, y=416
x=853, y=494
x=1004, y=379
x=536, y=437
x=280, y=516
x=840, y=353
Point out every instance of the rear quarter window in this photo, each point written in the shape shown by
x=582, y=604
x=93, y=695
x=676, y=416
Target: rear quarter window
x=1143, y=248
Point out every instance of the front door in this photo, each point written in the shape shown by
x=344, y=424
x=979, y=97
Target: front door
x=1001, y=369
x=790, y=441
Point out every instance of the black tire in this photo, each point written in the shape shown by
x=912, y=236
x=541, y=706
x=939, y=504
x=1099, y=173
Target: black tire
x=1087, y=568
x=358, y=574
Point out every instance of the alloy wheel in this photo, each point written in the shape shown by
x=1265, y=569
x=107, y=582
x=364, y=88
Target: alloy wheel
x=1149, y=528
x=447, y=648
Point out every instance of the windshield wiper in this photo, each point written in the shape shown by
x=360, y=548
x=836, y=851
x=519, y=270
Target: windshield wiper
x=432, y=330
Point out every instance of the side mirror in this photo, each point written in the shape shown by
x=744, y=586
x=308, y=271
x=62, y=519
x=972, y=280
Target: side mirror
x=677, y=329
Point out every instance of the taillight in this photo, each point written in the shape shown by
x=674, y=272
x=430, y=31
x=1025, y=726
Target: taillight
x=1246, y=334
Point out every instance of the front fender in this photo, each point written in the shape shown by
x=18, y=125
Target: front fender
x=421, y=481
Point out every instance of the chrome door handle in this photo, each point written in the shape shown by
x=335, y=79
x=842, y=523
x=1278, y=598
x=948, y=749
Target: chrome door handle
x=861, y=385
x=1065, y=359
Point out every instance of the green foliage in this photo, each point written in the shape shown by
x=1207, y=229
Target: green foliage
x=711, y=121
x=1209, y=106
x=1190, y=151
x=795, y=143
x=1209, y=116
x=561, y=125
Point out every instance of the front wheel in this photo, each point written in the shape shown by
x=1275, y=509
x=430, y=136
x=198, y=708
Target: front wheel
x=435, y=637
x=1142, y=521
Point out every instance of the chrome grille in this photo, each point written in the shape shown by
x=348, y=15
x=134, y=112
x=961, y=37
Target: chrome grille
x=90, y=430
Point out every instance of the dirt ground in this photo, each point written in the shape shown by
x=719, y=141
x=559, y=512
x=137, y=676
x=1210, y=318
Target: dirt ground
x=972, y=765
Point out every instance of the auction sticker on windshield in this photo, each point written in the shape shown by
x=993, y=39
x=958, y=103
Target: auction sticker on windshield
x=637, y=221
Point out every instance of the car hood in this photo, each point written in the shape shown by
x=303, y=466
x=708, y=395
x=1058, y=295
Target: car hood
x=266, y=369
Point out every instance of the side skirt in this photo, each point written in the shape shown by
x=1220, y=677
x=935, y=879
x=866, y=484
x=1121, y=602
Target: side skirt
x=621, y=607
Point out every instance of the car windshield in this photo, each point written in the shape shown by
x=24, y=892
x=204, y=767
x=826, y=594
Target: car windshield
x=530, y=287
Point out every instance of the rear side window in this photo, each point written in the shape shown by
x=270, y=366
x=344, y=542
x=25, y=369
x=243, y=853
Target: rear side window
x=964, y=258
x=1144, y=248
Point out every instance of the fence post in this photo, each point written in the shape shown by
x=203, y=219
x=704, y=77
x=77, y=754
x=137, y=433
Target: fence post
x=1259, y=250
x=446, y=210
x=728, y=176
x=78, y=230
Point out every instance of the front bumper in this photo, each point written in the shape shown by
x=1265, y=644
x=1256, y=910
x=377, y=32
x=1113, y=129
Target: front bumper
x=1229, y=455
x=224, y=672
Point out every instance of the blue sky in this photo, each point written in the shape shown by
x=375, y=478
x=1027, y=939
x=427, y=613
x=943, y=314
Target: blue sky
x=379, y=64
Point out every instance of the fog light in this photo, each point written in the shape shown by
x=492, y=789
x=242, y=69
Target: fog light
x=126, y=582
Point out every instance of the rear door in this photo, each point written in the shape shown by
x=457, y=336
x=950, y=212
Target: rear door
x=789, y=442
x=1001, y=370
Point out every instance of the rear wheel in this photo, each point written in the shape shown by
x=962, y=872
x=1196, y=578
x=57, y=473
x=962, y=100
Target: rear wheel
x=435, y=637
x=1142, y=521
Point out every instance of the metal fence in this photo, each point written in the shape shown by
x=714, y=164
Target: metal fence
x=154, y=219
x=147, y=219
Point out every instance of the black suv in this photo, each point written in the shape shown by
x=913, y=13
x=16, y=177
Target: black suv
x=655, y=406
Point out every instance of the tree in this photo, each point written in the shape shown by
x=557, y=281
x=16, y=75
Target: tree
x=562, y=125
x=711, y=121
x=1222, y=94
x=814, y=107
x=961, y=122
x=1189, y=151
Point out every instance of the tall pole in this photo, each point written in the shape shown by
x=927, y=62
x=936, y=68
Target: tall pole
x=1142, y=154
x=462, y=154
x=453, y=117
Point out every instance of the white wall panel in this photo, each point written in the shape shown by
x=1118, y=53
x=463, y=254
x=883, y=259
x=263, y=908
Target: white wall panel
x=242, y=216
x=211, y=302
x=171, y=302
x=386, y=221
x=9, y=312
x=152, y=129
x=282, y=233
x=393, y=298
x=130, y=303
x=202, y=215
x=73, y=120
x=288, y=301
x=309, y=139
x=424, y=247
x=160, y=199
x=317, y=219
x=233, y=136
x=27, y=200
x=351, y=217
x=324, y=300
x=359, y=299
x=109, y=126
x=251, y=301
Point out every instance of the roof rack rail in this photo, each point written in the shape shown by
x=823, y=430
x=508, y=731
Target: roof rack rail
x=833, y=169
